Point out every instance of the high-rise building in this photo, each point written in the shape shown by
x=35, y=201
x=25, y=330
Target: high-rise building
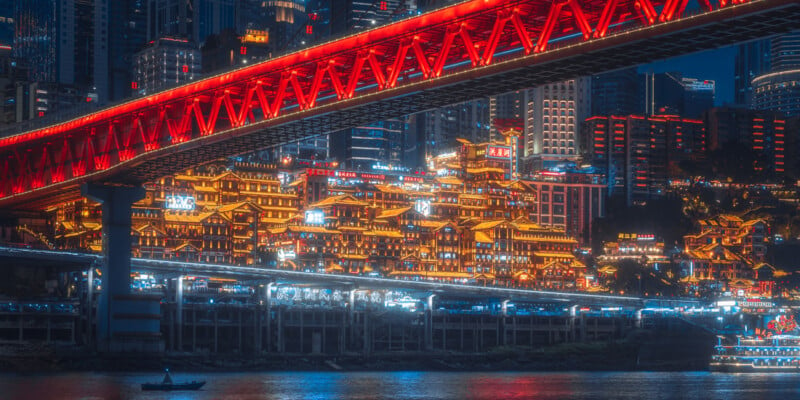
x=364, y=146
x=194, y=20
x=435, y=132
x=120, y=31
x=752, y=59
x=618, y=92
x=506, y=111
x=698, y=96
x=85, y=46
x=356, y=15
x=672, y=94
x=558, y=111
x=762, y=133
x=7, y=24
x=165, y=63
x=785, y=51
x=639, y=153
x=174, y=18
x=779, y=88
x=36, y=39
x=381, y=141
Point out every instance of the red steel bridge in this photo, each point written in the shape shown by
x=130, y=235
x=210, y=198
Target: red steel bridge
x=461, y=52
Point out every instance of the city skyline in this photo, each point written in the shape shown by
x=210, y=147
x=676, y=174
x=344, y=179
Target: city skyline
x=411, y=185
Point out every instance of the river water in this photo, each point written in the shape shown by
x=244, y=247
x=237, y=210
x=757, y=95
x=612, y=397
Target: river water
x=411, y=385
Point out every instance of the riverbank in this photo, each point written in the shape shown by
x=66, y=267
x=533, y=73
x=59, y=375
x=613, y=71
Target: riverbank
x=642, y=353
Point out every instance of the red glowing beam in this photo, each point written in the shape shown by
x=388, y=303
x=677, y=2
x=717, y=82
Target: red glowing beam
x=457, y=38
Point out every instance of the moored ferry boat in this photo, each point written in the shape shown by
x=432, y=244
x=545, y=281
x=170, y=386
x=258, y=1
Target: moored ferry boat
x=779, y=353
x=768, y=352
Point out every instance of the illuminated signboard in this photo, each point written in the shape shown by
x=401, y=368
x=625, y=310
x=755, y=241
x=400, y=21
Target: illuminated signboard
x=410, y=179
x=635, y=236
x=175, y=202
x=315, y=217
x=423, y=207
x=498, y=152
x=345, y=174
x=319, y=172
x=376, y=177
x=284, y=255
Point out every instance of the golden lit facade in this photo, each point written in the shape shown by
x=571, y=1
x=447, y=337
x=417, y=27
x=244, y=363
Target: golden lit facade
x=473, y=224
x=726, y=248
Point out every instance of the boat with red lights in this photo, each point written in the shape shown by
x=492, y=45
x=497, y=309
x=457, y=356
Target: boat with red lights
x=767, y=352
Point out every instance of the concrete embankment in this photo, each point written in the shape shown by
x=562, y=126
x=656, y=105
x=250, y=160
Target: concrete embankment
x=640, y=350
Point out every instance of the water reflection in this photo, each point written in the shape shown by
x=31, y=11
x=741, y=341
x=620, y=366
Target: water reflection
x=410, y=385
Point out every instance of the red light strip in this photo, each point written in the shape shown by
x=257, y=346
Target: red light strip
x=472, y=30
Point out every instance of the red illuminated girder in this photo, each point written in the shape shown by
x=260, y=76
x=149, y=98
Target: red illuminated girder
x=451, y=40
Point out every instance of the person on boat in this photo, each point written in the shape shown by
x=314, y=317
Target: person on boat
x=167, y=378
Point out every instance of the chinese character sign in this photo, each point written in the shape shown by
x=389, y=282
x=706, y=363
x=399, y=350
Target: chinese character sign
x=498, y=152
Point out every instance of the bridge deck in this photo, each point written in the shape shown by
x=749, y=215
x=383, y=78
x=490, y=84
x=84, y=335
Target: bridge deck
x=136, y=146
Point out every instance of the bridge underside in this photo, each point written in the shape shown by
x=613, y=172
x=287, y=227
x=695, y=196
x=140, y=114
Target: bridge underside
x=702, y=32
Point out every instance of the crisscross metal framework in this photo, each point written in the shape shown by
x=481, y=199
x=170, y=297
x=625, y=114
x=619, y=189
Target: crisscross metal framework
x=452, y=45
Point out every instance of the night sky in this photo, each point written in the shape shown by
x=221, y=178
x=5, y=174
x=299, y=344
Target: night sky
x=717, y=65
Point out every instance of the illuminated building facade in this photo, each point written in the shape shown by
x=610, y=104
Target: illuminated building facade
x=644, y=248
x=726, y=248
x=558, y=111
x=472, y=222
x=638, y=153
x=764, y=133
x=569, y=200
x=166, y=62
x=779, y=88
x=209, y=214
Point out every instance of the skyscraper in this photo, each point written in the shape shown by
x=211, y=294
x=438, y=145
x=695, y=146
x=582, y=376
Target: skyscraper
x=558, y=111
x=639, y=153
x=506, y=111
x=752, y=59
x=165, y=63
x=365, y=146
x=618, y=92
x=671, y=93
x=779, y=88
x=120, y=32
x=762, y=134
x=36, y=39
x=381, y=141
x=435, y=132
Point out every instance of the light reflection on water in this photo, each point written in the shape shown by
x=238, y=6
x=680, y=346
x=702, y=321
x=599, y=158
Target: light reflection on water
x=411, y=385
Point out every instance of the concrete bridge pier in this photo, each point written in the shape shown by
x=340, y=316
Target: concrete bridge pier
x=429, y=322
x=125, y=322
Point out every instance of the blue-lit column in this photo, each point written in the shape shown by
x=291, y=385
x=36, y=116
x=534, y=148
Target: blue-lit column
x=116, y=281
x=429, y=322
x=179, y=312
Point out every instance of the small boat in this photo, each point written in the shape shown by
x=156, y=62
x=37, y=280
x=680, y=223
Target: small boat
x=193, y=385
x=168, y=385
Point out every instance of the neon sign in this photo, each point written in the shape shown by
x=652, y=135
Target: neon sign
x=315, y=217
x=423, y=207
x=175, y=202
x=498, y=152
x=284, y=255
x=376, y=177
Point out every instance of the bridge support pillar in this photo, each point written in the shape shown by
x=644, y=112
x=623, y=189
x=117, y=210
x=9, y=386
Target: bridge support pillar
x=429, y=322
x=179, y=313
x=125, y=322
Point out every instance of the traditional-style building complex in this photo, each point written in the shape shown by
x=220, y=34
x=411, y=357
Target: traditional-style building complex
x=728, y=249
x=470, y=217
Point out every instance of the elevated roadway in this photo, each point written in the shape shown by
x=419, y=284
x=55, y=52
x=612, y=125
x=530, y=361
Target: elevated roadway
x=10, y=255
